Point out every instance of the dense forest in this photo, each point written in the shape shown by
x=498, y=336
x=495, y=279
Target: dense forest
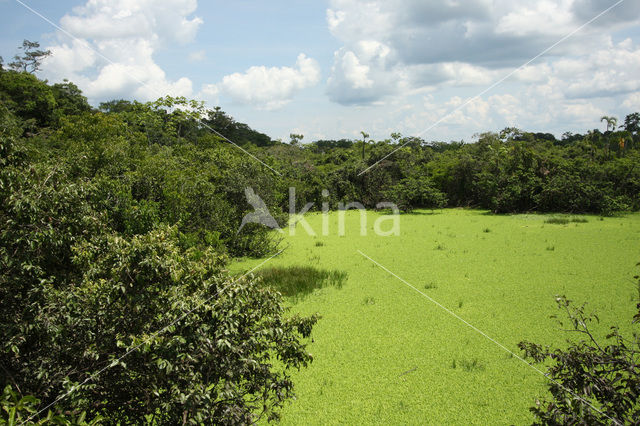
x=118, y=220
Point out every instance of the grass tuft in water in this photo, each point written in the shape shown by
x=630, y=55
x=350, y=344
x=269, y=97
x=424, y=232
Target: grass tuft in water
x=300, y=281
x=557, y=220
x=468, y=365
x=565, y=220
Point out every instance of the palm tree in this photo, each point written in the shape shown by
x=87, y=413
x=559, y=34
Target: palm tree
x=611, y=122
x=364, y=141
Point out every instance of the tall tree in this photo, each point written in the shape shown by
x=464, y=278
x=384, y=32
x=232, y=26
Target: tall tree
x=295, y=138
x=611, y=122
x=31, y=59
x=364, y=142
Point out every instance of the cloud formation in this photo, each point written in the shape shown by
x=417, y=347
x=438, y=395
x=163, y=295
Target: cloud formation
x=112, y=55
x=412, y=45
x=268, y=88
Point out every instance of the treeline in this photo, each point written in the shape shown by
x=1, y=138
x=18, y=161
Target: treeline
x=506, y=172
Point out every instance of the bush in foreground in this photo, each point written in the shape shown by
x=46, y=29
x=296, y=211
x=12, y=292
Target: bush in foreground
x=590, y=382
x=149, y=331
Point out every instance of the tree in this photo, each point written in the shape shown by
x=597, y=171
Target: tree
x=418, y=192
x=511, y=133
x=295, y=138
x=28, y=97
x=632, y=123
x=239, y=133
x=31, y=59
x=116, y=106
x=69, y=99
x=611, y=122
x=364, y=142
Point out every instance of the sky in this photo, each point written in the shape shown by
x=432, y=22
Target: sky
x=439, y=69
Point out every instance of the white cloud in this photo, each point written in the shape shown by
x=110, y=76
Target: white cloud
x=112, y=55
x=356, y=74
x=156, y=20
x=541, y=17
x=606, y=72
x=269, y=88
x=67, y=60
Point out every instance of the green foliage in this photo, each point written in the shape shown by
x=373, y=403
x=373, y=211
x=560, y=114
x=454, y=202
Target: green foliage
x=116, y=106
x=214, y=361
x=17, y=410
x=238, y=133
x=632, y=122
x=69, y=99
x=419, y=192
x=201, y=190
x=590, y=382
x=28, y=97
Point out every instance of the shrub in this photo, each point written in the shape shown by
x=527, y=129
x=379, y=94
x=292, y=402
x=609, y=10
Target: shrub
x=590, y=382
x=411, y=193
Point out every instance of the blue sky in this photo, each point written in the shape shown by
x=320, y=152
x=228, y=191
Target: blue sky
x=329, y=69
